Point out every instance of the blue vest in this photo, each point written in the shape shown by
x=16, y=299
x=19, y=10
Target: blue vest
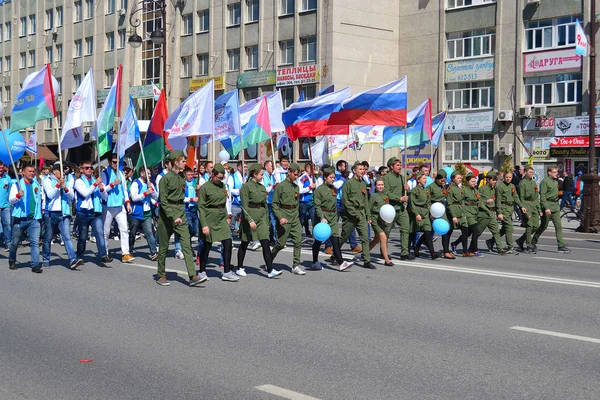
x=269, y=180
x=338, y=177
x=137, y=207
x=190, y=191
x=4, y=190
x=306, y=197
x=20, y=208
x=65, y=205
x=116, y=197
x=95, y=197
x=235, y=198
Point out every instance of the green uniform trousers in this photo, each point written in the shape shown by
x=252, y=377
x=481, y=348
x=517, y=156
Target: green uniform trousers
x=555, y=218
x=349, y=223
x=507, y=227
x=485, y=220
x=532, y=221
x=293, y=230
x=165, y=229
x=403, y=222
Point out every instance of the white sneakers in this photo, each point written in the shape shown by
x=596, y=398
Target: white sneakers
x=274, y=273
x=345, y=265
x=254, y=246
x=179, y=255
x=241, y=272
x=297, y=271
x=230, y=277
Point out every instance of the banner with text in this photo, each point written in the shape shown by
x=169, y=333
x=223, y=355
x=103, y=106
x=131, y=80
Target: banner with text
x=291, y=76
x=574, y=126
x=548, y=61
x=470, y=70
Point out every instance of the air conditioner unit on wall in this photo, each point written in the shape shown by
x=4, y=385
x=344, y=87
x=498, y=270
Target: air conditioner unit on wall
x=540, y=111
x=525, y=112
x=122, y=11
x=505, y=116
x=506, y=150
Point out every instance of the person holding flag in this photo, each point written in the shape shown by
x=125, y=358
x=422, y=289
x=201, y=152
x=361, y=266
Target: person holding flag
x=5, y=207
x=141, y=211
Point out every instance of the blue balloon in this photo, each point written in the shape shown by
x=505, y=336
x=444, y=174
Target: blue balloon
x=322, y=231
x=16, y=144
x=440, y=226
x=428, y=181
x=449, y=171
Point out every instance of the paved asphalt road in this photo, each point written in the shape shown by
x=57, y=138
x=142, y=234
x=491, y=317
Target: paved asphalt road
x=419, y=330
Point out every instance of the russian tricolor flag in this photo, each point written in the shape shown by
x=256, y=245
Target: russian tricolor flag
x=312, y=118
x=385, y=105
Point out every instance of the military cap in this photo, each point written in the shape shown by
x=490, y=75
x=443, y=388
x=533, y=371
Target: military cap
x=219, y=169
x=441, y=174
x=174, y=154
x=328, y=171
x=456, y=173
x=254, y=167
x=419, y=175
x=391, y=161
x=356, y=164
x=294, y=166
x=492, y=174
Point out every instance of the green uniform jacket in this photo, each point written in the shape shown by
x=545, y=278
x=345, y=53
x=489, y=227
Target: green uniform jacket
x=420, y=203
x=455, y=204
x=325, y=198
x=354, y=198
x=394, y=189
x=549, y=194
x=377, y=201
x=487, y=192
x=212, y=204
x=254, y=194
x=171, y=189
x=471, y=205
x=507, y=194
x=528, y=193
x=437, y=194
x=286, y=194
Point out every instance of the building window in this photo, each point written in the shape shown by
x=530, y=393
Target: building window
x=122, y=38
x=469, y=44
x=478, y=147
x=89, y=9
x=49, y=21
x=59, y=52
x=252, y=10
x=110, y=41
x=287, y=95
x=49, y=55
x=308, y=5
x=77, y=11
x=7, y=96
x=186, y=67
x=550, y=33
x=467, y=3
x=22, y=60
x=89, y=46
x=470, y=95
x=234, y=14
x=1, y=68
x=59, y=16
x=1, y=33
x=76, y=82
x=250, y=94
x=59, y=86
x=203, y=21
x=8, y=31
x=252, y=57
x=78, y=50
x=287, y=7
x=23, y=25
x=7, y=66
x=32, y=24
x=110, y=6
x=287, y=52
x=109, y=77
x=32, y=58
x=310, y=91
x=203, y=64
x=187, y=26
x=309, y=48
x=554, y=90
x=233, y=60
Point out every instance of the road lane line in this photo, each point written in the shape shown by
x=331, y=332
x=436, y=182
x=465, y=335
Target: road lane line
x=281, y=392
x=557, y=334
x=154, y=268
x=568, y=261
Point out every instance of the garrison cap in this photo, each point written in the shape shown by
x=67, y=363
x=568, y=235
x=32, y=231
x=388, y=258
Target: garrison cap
x=294, y=166
x=219, y=169
x=492, y=174
x=419, y=175
x=456, y=173
x=441, y=174
x=174, y=154
x=391, y=161
x=356, y=164
x=254, y=167
x=328, y=171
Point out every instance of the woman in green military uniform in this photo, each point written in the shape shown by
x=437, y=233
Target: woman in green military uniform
x=325, y=198
x=255, y=220
x=455, y=211
x=470, y=208
x=380, y=227
x=215, y=218
x=420, y=203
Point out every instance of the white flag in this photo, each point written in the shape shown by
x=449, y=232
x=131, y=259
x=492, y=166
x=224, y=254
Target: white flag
x=195, y=116
x=81, y=109
x=31, y=145
x=581, y=42
x=275, y=104
x=155, y=91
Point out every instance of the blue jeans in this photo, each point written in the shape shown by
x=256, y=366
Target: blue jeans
x=84, y=221
x=236, y=213
x=568, y=197
x=146, y=225
x=307, y=212
x=5, y=220
x=32, y=227
x=192, y=217
x=273, y=223
x=55, y=221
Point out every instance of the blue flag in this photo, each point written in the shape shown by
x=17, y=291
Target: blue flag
x=327, y=90
x=227, y=116
x=130, y=131
x=302, y=97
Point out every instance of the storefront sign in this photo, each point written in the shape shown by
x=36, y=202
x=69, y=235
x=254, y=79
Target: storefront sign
x=291, y=76
x=198, y=83
x=553, y=60
x=538, y=145
x=256, y=79
x=574, y=126
x=573, y=147
x=470, y=122
x=101, y=95
x=574, y=152
x=470, y=70
x=538, y=125
x=141, y=92
x=413, y=160
x=575, y=141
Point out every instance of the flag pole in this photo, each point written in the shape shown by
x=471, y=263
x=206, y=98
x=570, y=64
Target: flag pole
x=273, y=150
x=143, y=160
x=60, y=157
x=12, y=161
x=404, y=151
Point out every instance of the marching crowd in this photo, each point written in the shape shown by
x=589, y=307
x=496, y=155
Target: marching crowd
x=266, y=207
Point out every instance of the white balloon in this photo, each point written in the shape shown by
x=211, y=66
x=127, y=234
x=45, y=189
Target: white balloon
x=29, y=77
x=223, y=156
x=387, y=213
x=437, y=210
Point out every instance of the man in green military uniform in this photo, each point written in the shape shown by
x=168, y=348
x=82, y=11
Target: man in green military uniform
x=507, y=194
x=285, y=208
x=420, y=204
x=171, y=219
x=530, y=201
x=489, y=206
x=551, y=209
x=355, y=201
x=396, y=190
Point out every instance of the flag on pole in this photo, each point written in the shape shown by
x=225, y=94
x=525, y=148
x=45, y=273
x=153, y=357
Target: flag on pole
x=258, y=128
x=275, y=104
x=581, y=42
x=155, y=144
x=282, y=140
x=195, y=116
x=106, y=118
x=337, y=145
x=319, y=153
x=156, y=91
x=302, y=97
x=384, y=105
x=227, y=115
x=327, y=90
x=31, y=145
x=368, y=134
x=82, y=108
x=438, y=123
x=35, y=102
x=418, y=131
x=130, y=131
x=309, y=118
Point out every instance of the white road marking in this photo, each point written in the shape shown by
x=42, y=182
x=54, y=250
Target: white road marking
x=568, y=261
x=281, y=392
x=557, y=334
x=572, y=248
x=153, y=267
